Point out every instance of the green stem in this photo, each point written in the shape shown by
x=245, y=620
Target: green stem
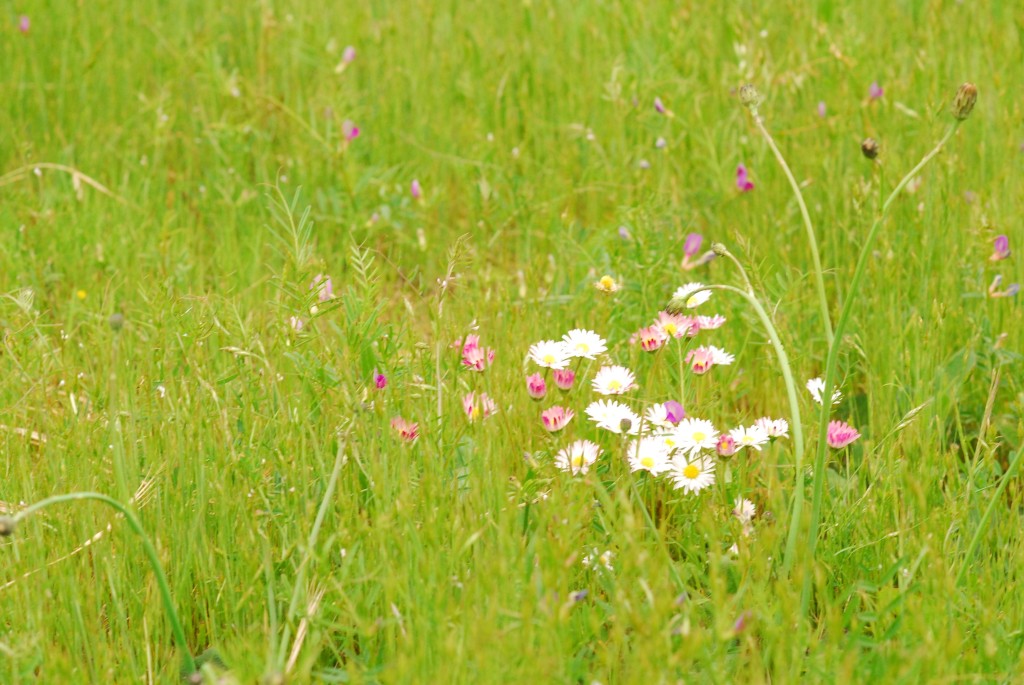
x=188, y=663
x=794, y=410
x=819, y=278
x=833, y=358
x=1011, y=470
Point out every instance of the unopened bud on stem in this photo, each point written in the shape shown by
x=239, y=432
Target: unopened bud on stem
x=964, y=101
x=749, y=97
x=869, y=147
x=719, y=249
x=7, y=526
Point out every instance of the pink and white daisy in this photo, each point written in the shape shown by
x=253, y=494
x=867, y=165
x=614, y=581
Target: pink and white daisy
x=744, y=510
x=648, y=454
x=536, y=387
x=583, y=343
x=481, y=407
x=407, y=430
x=816, y=386
x=613, y=416
x=753, y=437
x=614, y=380
x=775, y=428
x=676, y=325
x=710, y=323
x=692, y=475
x=719, y=356
x=564, y=378
x=841, y=434
x=556, y=418
x=692, y=295
x=726, y=445
x=700, y=360
x=578, y=457
x=695, y=435
x=475, y=357
x=550, y=354
x=650, y=339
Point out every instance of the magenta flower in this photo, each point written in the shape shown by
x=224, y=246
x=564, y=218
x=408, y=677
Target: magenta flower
x=822, y=110
x=875, y=91
x=726, y=446
x=650, y=338
x=407, y=430
x=380, y=380
x=556, y=418
x=349, y=130
x=659, y=106
x=475, y=357
x=743, y=181
x=691, y=245
x=536, y=387
x=700, y=360
x=481, y=407
x=841, y=434
x=416, y=189
x=674, y=411
x=24, y=24
x=348, y=55
x=564, y=378
x=323, y=287
x=1002, y=249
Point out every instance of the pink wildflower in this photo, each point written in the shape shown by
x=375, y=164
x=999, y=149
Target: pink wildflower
x=536, y=386
x=743, y=181
x=416, y=189
x=296, y=323
x=23, y=25
x=650, y=338
x=407, y=430
x=474, y=357
x=349, y=130
x=323, y=287
x=478, y=407
x=690, y=248
x=659, y=106
x=822, y=110
x=676, y=325
x=700, y=360
x=875, y=92
x=1002, y=249
x=709, y=323
x=380, y=380
x=564, y=378
x=841, y=434
x=348, y=55
x=556, y=418
x=674, y=411
x=726, y=446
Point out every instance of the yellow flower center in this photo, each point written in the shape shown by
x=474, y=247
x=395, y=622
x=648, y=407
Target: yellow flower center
x=692, y=301
x=746, y=440
x=582, y=347
x=577, y=461
x=614, y=385
x=607, y=282
x=699, y=436
x=647, y=462
x=549, y=359
x=671, y=329
x=81, y=294
x=691, y=471
x=474, y=413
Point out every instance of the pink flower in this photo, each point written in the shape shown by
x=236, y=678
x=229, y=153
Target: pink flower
x=323, y=287
x=536, y=386
x=677, y=325
x=564, y=378
x=822, y=110
x=407, y=430
x=659, y=106
x=650, y=338
x=349, y=130
x=416, y=189
x=1002, y=249
x=875, y=91
x=556, y=418
x=841, y=434
x=474, y=357
x=743, y=181
x=691, y=245
x=710, y=323
x=674, y=411
x=726, y=446
x=380, y=380
x=478, y=407
x=348, y=55
x=700, y=360
x=23, y=25
x=296, y=323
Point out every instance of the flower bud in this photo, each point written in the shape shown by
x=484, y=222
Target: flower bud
x=719, y=249
x=116, y=322
x=749, y=97
x=964, y=101
x=869, y=147
x=7, y=526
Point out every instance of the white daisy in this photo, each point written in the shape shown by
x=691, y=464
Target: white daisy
x=719, y=356
x=578, y=457
x=755, y=436
x=583, y=343
x=692, y=294
x=775, y=428
x=603, y=560
x=552, y=354
x=657, y=415
x=816, y=386
x=613, y=416
x=668, y=438
x=692, y=475
x=614, y=380
x=744, y=511
x=648, y=454
x=695, y=435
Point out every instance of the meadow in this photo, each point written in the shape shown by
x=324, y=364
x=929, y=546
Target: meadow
x=286, y=285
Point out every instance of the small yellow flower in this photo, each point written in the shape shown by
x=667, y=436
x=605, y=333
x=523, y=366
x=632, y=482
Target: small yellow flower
x=607, y=284
x=81, y=294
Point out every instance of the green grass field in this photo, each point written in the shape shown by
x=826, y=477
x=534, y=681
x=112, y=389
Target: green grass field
x=193, y=168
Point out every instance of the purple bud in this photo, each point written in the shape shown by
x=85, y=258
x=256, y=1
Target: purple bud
x=822, y=110
x=349, y=130
x=659, y=107
x=23, y=24
x=579, y=595
x=692, y=244
x=348, y=55
x=416, y=189
x=380, y=380
x=624, y=233
x=1012, y=290
x=875, y=91
x=674, y=411
x=1002, y=248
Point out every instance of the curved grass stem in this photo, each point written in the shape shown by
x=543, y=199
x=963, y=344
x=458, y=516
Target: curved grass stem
x=833, y=359
x=188, y=663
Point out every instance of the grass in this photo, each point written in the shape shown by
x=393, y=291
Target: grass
x=178, y=147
